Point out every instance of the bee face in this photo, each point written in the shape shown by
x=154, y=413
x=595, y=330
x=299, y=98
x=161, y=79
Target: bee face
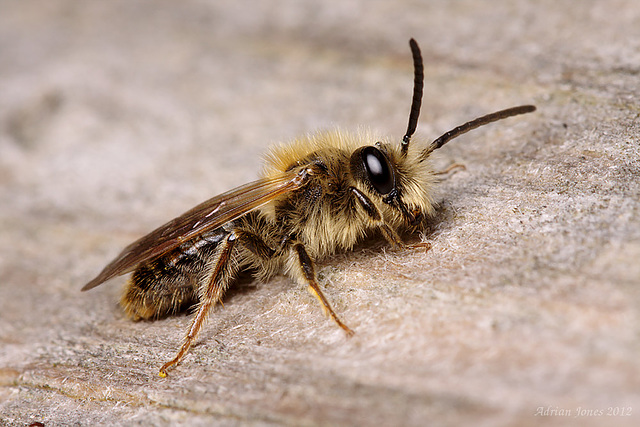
x=400, y=186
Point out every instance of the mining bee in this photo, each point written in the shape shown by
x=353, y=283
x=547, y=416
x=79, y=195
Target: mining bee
x=317, y=195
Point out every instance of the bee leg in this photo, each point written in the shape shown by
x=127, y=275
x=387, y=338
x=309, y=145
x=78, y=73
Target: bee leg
x=376, y=217
x=450, y=168
x=307, y=270
x=211, y=289
x=421, y=245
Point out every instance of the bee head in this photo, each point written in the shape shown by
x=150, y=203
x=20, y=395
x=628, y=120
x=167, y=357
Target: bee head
x=401, y=180
x=389, y=174
x=396, y=184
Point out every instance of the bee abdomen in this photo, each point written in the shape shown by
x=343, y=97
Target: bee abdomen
x=169, y=284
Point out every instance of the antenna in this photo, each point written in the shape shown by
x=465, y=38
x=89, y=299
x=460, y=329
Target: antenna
x=473, y=124
x=416, y=102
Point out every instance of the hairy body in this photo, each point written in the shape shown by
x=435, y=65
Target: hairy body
x=318, y=194
x=330, y=214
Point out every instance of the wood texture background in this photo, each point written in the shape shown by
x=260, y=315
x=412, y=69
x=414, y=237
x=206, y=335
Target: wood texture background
x=116, y=116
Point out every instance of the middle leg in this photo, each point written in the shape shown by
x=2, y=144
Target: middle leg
x=305, y=269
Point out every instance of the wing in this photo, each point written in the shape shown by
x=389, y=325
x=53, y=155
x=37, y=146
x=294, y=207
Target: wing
x=206, y=216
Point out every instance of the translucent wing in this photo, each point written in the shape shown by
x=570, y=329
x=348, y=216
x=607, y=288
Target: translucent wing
x=206, y=216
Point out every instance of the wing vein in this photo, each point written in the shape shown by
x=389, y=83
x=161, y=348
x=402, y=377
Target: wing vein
x=206, y=216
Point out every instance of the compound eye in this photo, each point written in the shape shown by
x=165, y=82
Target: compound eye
x=378, y=170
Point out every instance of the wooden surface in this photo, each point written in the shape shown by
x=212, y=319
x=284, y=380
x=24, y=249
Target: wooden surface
x=116, y=116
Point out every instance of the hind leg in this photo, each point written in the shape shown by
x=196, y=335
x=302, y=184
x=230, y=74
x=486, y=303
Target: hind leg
x=211, y=288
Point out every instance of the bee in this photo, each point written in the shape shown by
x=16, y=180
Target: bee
x=318, y=195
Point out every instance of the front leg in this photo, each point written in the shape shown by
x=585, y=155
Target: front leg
x=304, y=271
x=376, y=218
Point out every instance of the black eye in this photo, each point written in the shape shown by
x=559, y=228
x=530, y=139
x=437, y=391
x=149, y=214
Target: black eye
x=378, y=170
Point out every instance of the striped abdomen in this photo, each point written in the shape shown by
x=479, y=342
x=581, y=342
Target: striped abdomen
x=168, y=285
